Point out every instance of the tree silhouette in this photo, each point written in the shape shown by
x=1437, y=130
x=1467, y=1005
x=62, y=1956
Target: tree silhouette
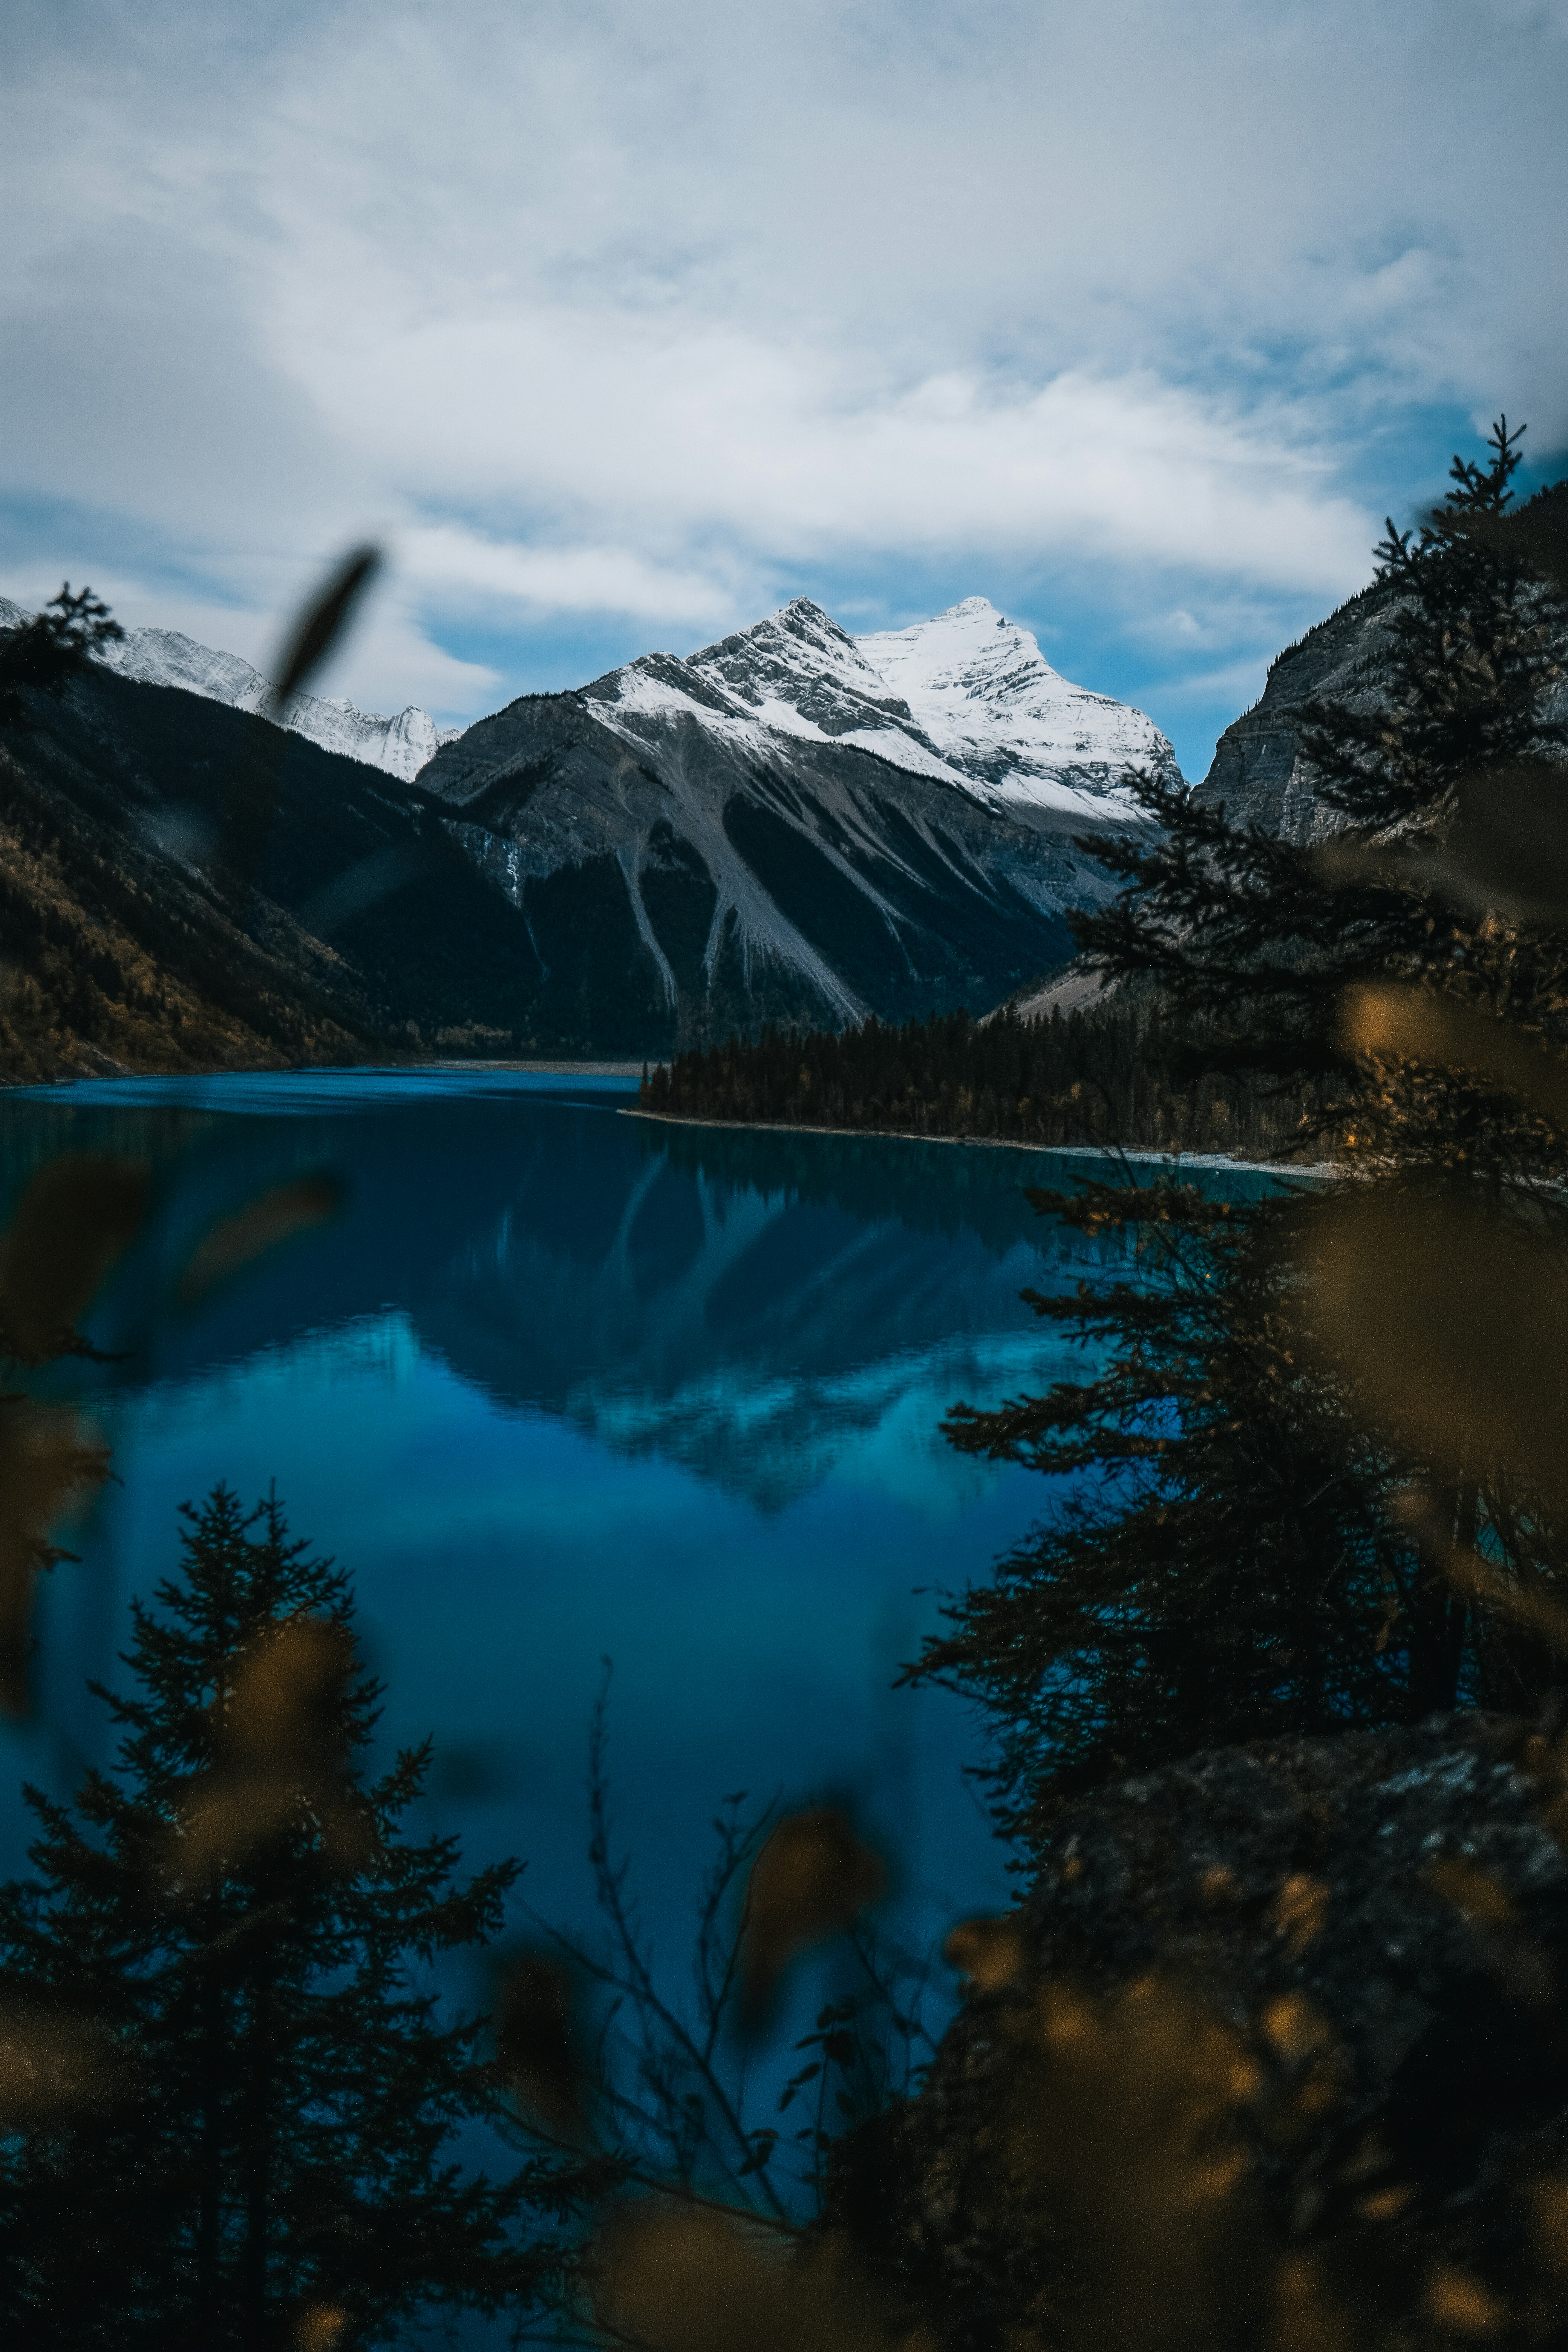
x=47, y=652
x=1261, y=936
x=243, y=2093
x=1217, y=1564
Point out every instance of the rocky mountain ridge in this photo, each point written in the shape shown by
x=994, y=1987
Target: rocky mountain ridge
x=399, y=745
x=792, y=825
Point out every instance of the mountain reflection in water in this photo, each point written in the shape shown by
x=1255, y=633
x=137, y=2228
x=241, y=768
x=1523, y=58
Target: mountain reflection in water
x=562, y=1384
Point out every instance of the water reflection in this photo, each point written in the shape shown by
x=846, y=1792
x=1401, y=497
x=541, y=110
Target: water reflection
x=561, y=1383
x=746, y=1304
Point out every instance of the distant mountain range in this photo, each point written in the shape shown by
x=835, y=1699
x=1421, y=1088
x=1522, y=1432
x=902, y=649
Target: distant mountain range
x=399, y=745
x=967, y=697
x=791, y=824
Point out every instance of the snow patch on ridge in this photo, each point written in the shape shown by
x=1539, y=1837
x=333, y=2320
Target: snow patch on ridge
x=400, y=746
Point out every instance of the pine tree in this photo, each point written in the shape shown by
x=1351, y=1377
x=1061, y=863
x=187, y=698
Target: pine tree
x=1242, y=1560
x=1220, y=1568
x=1104, y=1076
x=1403, y=966
x=252, y=2140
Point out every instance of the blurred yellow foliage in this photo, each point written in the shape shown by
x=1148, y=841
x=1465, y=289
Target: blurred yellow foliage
x=812, y=1879
x=694, y=2280
x=234, y=1243
x=278, y=1757
x=989, y=1952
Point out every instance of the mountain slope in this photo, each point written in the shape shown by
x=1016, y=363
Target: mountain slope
x=788, y=839
x=399, y=745
x=185, y=886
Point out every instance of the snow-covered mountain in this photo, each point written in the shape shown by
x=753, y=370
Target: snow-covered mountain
x=794, y=824
x=967, y=695
x=399, y=745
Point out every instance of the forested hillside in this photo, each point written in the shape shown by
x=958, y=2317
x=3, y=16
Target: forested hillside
x=184, y=886
x=1119, y=1072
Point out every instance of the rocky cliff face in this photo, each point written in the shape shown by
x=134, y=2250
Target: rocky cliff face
x=1258, y=770
x=797, y=825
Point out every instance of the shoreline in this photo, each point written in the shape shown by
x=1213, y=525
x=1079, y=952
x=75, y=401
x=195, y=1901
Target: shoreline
x=1315, y=1171
x=578, y=1070
x=547, y=1069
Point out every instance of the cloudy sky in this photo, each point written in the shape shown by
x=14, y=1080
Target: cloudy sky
x=621, y=320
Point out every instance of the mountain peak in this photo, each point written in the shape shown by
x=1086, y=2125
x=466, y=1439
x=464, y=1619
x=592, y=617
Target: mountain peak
x=967, y=695
x=982, y=696
x=802, y=613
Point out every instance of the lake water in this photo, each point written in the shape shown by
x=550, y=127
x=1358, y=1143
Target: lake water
x=560, y=1385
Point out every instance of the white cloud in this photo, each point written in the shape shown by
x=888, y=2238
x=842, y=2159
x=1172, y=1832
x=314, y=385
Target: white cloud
x=1236, y=683
x=391, y=661
x=460, y=568
x=719, y=436
x=599, y=309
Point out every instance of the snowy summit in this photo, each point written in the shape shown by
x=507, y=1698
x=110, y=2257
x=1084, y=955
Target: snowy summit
x=967, y=697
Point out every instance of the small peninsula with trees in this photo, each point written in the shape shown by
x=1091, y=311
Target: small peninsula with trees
x=1115, y=1074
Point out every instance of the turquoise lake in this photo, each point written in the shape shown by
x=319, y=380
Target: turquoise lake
x=560, y=1385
